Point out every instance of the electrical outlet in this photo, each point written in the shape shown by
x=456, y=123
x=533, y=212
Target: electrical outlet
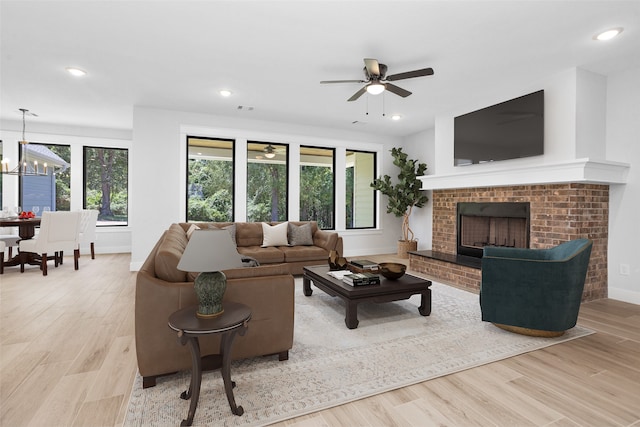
x=624, y=269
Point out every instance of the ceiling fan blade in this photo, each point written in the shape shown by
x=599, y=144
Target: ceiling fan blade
x=410, y=74
x=372, y=66
x=323, y=82
x=358, y=94
x=397, y=90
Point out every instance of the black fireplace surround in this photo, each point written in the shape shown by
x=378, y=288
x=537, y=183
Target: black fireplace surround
x=491, y=224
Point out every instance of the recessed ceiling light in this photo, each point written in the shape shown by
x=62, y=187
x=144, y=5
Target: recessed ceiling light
x=77, y=72
x=396, y=117
x=608, y=35
x=224, y=92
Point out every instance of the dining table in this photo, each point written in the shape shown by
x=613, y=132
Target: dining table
x=26, y=231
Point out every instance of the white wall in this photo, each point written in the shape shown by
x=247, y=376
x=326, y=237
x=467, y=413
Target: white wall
x=591, y=115
x=560, y=127
x=108, y=239
x=158, y=172
x=623, y=144
x=421, y=146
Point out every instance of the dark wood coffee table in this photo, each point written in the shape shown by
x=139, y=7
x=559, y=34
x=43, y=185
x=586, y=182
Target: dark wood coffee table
x=386, y=291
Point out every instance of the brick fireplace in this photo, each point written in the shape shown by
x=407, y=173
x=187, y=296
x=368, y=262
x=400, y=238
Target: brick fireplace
x=558, y=213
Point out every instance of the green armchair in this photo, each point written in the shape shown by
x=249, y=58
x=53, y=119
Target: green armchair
x=534, y=291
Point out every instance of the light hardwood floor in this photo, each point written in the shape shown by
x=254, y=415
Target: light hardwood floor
x=67, y=358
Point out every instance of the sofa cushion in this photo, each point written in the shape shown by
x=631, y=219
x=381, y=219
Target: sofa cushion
x=303, y=253
x=232, y=231
x=300, y=235
x=248, y=234
x=274, y=235
x=191, y=229
x=260, y=271
x=269, y=255
x=169, y=253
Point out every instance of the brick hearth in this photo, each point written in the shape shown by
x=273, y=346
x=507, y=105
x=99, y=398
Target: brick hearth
x=559, y=213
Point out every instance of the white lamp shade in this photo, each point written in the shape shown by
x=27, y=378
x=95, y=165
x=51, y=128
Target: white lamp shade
x=208, y=251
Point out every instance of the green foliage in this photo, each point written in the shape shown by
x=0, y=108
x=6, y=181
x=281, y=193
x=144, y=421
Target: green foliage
x=266, y=192
x=63, y=179
x=349, y=196
x=210, y=191
x=106, y=182
x=316, y=195
x=405, y=193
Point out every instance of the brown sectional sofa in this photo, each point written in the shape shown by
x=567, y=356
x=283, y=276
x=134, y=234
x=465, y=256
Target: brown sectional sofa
x=268, y=290
x=249, y=239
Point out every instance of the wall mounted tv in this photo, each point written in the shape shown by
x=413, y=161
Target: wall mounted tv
x=509, y=130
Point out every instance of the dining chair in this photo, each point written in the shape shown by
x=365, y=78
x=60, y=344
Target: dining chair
x=88, y=221
x=2, y=247
x=9, y=237
x=59, y=231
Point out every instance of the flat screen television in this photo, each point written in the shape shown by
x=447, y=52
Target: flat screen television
x=509, y=130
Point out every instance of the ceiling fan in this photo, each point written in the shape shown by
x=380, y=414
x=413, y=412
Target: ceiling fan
x=269, y=151
x=377, y=80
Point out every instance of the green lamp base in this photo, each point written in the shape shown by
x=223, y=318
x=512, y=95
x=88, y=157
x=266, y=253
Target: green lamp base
x=210, y=288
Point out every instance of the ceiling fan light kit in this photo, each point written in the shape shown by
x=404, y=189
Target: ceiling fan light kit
x=377, y=80
x=375, y=88
x=269, y=152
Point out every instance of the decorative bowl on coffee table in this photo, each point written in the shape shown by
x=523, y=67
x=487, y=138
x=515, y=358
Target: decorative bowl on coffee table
x=392, y=270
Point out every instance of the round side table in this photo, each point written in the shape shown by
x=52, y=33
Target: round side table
x=189, y=327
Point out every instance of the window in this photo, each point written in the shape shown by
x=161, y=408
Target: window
x=360, y=197
x=209, y=179
x=106, y=184
x=317, y=183
x=53, y=191
x=267, y=183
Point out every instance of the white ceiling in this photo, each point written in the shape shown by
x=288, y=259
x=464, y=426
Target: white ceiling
x=273, y=54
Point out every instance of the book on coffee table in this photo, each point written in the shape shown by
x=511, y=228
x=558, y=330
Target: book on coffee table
x=364, y=264
x=360, y=279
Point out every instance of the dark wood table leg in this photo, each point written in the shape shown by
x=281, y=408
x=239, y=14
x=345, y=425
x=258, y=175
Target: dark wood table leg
x=351, y=317
x=225, y=349
x=425, y=304
x=196, y=378
x=306, y=286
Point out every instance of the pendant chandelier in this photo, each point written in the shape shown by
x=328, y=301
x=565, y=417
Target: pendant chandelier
x=24, y=167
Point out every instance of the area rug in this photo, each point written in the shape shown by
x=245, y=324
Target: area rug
x=329, y=364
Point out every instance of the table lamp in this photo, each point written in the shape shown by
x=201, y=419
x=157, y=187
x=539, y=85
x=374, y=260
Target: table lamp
x=208, y=252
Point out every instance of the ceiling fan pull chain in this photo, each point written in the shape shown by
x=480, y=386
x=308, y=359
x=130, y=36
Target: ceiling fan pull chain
x=367, y=113
x=383, y=105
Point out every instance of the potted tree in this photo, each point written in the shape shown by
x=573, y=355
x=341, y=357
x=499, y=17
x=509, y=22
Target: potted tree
x=403, y=196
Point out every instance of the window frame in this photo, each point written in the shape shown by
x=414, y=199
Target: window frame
x=20, y=181
x=374, y=204
x=287, y=181
x=333, y=166
x=84, y=181
x=233, y=173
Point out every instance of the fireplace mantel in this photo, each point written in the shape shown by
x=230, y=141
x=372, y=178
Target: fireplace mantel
x=575, y=171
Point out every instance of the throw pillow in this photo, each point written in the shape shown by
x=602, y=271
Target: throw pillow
x=300, y=235
x=275, y=235
x=191, y=229
x=232, y=230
